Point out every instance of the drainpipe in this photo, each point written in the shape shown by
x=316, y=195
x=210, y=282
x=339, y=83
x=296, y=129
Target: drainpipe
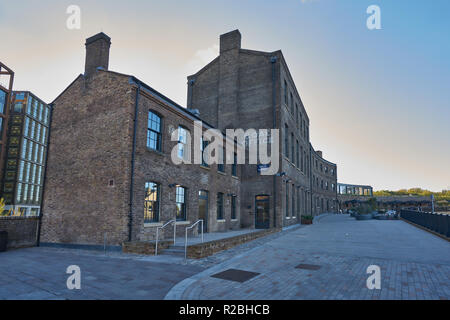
x=310, y=178
x=133, y=152
x=38, y=240
x=273, y=60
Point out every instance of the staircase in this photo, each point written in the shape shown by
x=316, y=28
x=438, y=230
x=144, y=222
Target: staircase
x=174, y=250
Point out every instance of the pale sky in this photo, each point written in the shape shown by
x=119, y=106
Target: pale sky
x=378, y=100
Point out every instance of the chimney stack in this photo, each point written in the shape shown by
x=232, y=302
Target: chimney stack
x=230, y=40
x=319, y=153
x=97, y=53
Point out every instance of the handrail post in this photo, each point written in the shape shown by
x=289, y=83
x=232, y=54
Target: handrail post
x=202, y=230
x=185, y=245
x=156, y=246
x=174, y=231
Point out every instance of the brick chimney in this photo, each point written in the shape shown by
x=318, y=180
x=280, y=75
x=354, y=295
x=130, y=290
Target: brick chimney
x=97, y=53
x=319, y=153
x=230, y=40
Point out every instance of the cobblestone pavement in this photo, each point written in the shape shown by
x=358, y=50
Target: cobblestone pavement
x=414, y=264
x=40, y=273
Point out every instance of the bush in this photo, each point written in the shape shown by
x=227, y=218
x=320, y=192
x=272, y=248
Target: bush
x=307, y=217
x=364, y=209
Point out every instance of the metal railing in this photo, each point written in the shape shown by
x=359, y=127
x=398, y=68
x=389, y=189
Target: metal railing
x=186, y=237
x=439, y=223
x=174, y=221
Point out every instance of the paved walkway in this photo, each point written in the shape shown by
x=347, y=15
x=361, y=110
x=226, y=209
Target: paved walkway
x=40, y=273
x=414, y=264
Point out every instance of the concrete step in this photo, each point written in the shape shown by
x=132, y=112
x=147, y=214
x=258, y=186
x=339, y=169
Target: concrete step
x=174, y=251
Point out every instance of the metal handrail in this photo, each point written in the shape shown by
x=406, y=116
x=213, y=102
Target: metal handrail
x=174, y=221
x=186, y=238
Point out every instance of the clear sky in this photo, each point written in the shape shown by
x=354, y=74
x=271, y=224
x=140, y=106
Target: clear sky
x=378, y=100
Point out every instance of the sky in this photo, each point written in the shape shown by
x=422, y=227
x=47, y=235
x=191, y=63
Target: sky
x=378, y=100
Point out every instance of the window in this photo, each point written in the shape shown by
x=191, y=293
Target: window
x=296, y=114
x=287, y=199
x=292, y=148
x=301, y=160
x=233, y=207
x=2, y=101
x=293, y=200
x=234, y=165
x=297, y=163
x=286, y=141
x=182, y=141
x=181, y=203
x=154, y=131
x=203, y=144
x=219, y=206
x=292, y=104
x=151, y=202
x=285, y=92
x=221, y=165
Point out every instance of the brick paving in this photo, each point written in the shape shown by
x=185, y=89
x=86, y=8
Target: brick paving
x=414, y=264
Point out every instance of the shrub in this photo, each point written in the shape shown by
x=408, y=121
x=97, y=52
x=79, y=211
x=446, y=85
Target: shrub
x=306, y=217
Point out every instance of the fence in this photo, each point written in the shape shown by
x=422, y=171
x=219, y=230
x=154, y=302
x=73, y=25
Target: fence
x=439, y=223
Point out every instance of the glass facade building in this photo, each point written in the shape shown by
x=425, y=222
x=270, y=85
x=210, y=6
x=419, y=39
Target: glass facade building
x=26, y=153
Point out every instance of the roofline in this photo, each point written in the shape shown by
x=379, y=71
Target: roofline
x=80, y=75
x=322, y=158
x=30, y=93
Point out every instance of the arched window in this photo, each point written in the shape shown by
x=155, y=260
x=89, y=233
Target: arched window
x=154, y=131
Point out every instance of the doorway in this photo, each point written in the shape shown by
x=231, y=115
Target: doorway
x=203, y=197
x=262, y=212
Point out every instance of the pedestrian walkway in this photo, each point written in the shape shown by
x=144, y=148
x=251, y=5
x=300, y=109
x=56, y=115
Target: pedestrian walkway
x=414, y=264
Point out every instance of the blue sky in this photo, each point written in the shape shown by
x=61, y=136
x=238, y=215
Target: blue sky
x=378, y=100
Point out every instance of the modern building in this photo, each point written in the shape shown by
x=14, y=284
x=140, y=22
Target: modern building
x=26, y=153
x=355, y=189
x=6, y=86
x=251, y=89
x=110, y=174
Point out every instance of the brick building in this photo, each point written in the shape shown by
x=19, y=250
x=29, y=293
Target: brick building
x=26, y=153
x=110, y=174
x=324, y=185
x=253, y=89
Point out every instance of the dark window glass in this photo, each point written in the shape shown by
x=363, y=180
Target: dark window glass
x=181, y=203
x=287, y=200
x=154, y=131
x=234, y=166
x=221, y=165
x=151, y=202
x=233, y=207
x=293, y=200
x=220, y=206
x=204, y=143
x=286, y=140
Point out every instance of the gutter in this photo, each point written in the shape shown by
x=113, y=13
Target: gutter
x=41, y=214
x=133, y=158
x=273, y=60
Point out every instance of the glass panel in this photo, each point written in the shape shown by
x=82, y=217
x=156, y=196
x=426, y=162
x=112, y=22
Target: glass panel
x=151, y=202
x=2, y=101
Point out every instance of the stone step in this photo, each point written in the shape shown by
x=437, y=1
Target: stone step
x=174, y=251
